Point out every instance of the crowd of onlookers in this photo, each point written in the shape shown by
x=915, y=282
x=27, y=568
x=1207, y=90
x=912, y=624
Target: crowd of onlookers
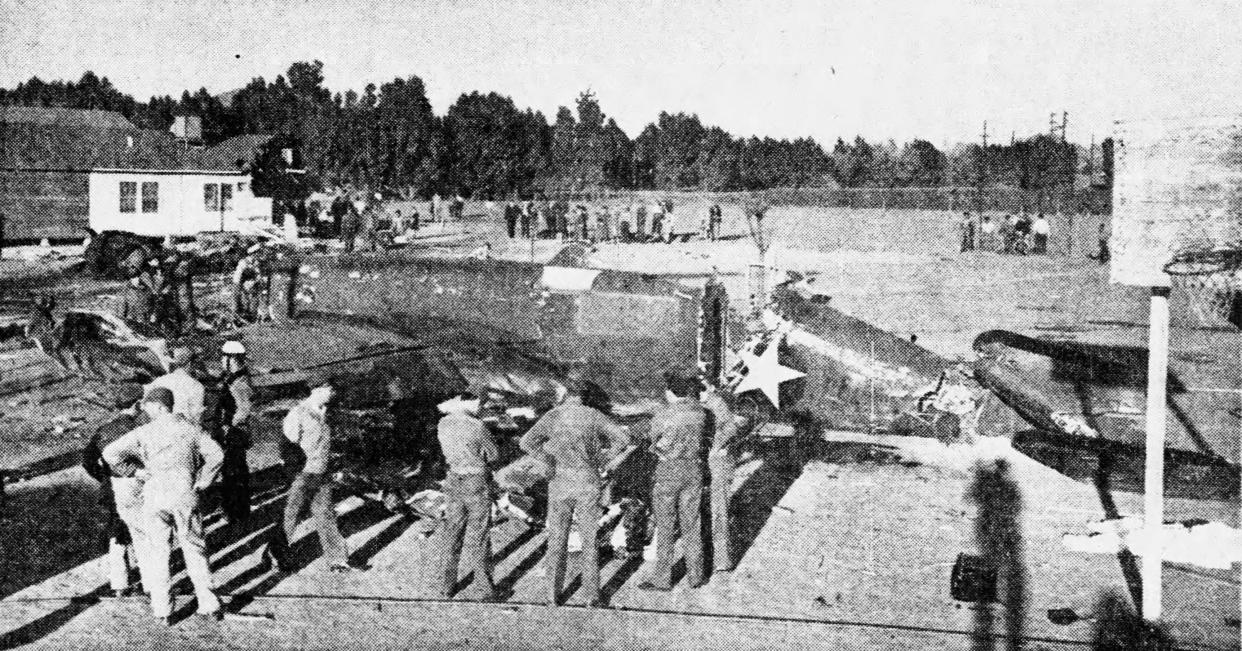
x=633, y=221
x=1016, y=235
x=362, y=220
x=1010, y=235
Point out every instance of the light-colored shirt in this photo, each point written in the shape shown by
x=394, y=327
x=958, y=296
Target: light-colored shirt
x=307, y=427
x=724, y=420
x=574, y=435
x=243, y=399
x=1041, y=227
x=466, y=443
x=677, y=430
x=187, y=394
x=179, y=457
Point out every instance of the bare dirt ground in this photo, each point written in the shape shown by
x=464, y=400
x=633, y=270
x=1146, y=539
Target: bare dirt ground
x=851, y=550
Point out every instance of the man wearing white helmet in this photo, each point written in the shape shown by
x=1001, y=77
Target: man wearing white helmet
x=232, y=431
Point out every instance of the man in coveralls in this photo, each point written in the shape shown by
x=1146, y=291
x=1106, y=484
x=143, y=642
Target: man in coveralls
x=677, y=432
x=579, y=443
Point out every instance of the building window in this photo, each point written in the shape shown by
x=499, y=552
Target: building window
x=150, y=196
x=211, y=197
x=218, y=197
x=241, y=187
x=129, y=196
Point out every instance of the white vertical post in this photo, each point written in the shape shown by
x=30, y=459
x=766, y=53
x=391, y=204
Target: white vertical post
x=1153, y=481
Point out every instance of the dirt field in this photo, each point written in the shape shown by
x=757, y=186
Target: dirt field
x=852, y=550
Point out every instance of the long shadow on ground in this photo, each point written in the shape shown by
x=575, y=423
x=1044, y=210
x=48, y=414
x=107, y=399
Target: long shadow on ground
x=753, y=502
x=269, y=503
x=306, y=549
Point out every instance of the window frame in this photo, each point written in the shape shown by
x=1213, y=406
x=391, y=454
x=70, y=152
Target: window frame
x=150, y=200
x=130, y=207
x=211, y=197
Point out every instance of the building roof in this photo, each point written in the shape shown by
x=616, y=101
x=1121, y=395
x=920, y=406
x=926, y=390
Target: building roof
x=33, y=138
x=231, y=154
x=64, y=117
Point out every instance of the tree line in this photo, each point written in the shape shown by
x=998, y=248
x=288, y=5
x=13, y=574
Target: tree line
x=389, y=137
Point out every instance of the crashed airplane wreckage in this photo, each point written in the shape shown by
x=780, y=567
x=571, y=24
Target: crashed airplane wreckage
x=510, y=331
x=409, y=332
x=1086, y=405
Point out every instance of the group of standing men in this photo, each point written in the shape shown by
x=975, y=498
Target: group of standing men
x=634, y=222
x=690, y=438
x=1012, y=235
x=159, y=291
x=156, y=462
x=158, y=465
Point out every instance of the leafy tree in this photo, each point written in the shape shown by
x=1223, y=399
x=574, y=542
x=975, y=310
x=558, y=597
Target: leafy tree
x=921, y=165
x=493, y=148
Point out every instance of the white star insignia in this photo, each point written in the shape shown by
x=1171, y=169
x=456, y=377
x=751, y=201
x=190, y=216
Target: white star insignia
x=765, y=373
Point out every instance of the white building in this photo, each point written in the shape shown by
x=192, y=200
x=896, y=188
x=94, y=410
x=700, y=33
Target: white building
x=63, y=170
x=173, y=202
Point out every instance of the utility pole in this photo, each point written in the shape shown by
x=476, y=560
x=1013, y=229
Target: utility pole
x=1091, y=163
x=1062, y=173
x=983, y=168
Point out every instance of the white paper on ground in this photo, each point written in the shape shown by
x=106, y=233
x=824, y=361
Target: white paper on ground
x=1212, y=544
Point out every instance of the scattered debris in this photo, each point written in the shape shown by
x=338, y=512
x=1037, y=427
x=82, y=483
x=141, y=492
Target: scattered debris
x=1073, y=424
x=972, y=580
x=1066, y=616
x=1206, y=544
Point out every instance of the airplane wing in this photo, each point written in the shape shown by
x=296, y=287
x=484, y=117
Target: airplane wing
x=1086, y=404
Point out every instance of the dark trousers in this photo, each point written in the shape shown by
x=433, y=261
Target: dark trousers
x=235, y=484
x=565, y=499
x=315, y=489
x=721, y=466
x=1041, y=243
x=678, y=496
x=468, y=521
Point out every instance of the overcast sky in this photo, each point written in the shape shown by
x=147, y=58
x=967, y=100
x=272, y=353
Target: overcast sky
x=826, y=68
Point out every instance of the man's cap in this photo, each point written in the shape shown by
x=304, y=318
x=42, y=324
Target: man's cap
x=126, y=395
x=683, y=381
x=233, y=347
x=575, y=382
x=464, y=402
x=160, y=395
